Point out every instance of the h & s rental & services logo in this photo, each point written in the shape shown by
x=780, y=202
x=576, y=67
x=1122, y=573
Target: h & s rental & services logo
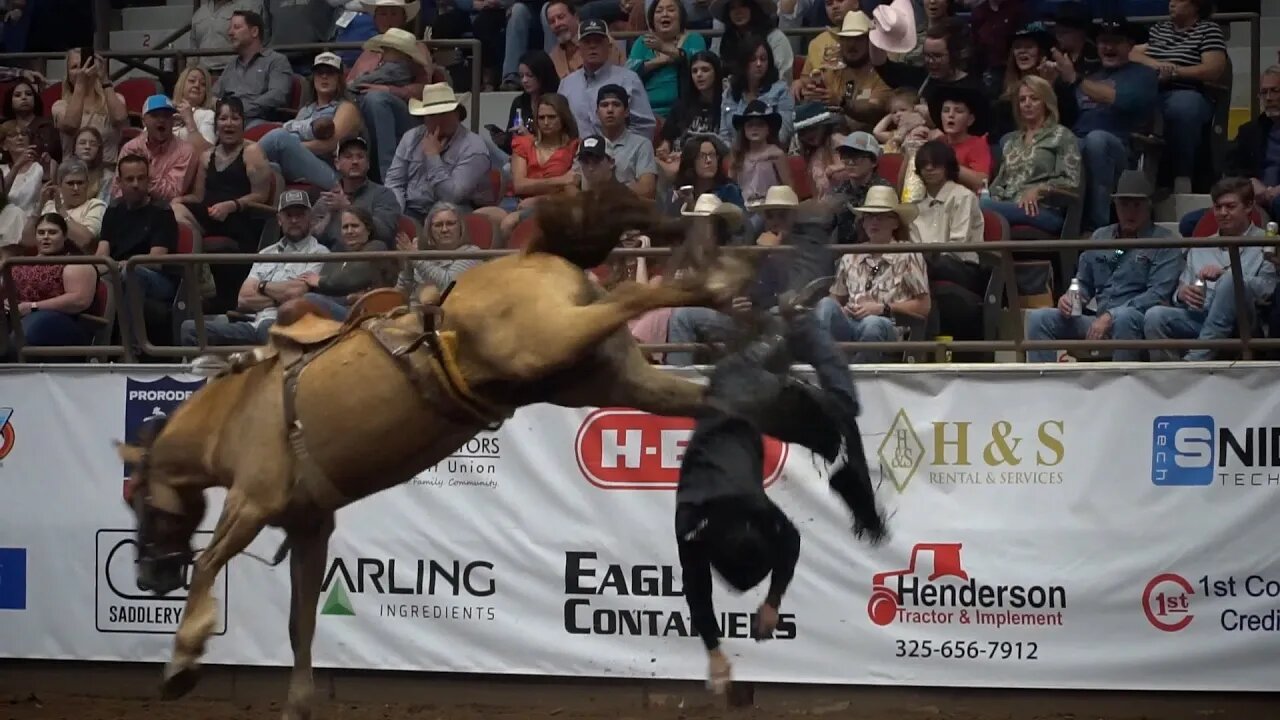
x=474, y=465
x=999, y=453
x=1192, y=450
x=155, y=399
x=13, y=578
x=123, y=608
x=415, y=589
x=622, y=449
x=640, y=600
x=7, y=434
x=1168, y=599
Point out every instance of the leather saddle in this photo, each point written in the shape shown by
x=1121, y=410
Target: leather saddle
x=311, y=330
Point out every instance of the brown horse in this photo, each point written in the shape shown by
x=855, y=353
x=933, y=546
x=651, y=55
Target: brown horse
x=329, y=413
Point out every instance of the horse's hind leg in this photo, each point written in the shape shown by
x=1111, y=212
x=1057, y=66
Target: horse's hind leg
x=625, y=379
x=308, y=554
x=239, y=524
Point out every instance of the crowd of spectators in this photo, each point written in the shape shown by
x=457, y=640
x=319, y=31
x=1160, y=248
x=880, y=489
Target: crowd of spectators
x=915, y=121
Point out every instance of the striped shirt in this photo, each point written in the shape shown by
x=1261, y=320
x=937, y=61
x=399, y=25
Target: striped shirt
x=1185, y=48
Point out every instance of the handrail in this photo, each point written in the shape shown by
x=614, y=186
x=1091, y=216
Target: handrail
x=11, y=321
x=1006, y=249
x=163, y=44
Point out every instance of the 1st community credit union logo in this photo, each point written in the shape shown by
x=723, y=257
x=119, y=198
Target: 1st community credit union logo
x=7, y=434
x=1166, y=601
x=973, y=453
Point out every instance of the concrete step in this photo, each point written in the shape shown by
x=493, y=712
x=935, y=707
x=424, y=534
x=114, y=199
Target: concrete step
x=166, y=17
x=1175, y=206
x=124, y=40
x=493, y=108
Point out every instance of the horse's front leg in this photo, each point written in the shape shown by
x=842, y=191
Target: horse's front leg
x=238, y=525
x=308, y=554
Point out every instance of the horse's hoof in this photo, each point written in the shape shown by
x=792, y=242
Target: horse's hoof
x=179, y=682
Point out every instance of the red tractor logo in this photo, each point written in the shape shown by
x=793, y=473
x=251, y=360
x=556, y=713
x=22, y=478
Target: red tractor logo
x=884, y=603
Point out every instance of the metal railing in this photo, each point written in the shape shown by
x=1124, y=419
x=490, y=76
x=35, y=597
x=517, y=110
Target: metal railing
x=13, y=338
x=129, y=315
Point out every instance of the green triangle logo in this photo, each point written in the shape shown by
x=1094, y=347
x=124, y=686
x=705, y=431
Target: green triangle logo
x=337, y=603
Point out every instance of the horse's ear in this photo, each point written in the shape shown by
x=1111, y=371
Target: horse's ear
x=129, y=453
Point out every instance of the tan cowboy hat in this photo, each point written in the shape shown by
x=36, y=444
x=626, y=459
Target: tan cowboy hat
x=884, y=199
x=894, y=27
x=397, y=39
x=708, y=204
x=437, y=99
x=778, y=197
x=410, y=8
x=856, y=24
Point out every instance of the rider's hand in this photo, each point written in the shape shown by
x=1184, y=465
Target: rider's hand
x=719, y=672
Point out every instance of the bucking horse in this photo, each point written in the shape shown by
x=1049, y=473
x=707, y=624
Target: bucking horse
x=274, y=427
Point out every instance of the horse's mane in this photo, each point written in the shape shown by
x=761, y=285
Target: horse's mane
x=584, y=228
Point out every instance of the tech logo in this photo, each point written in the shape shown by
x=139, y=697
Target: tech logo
x=1166, y=601
x=123, y=608
x=7, y=435
x=625, y=449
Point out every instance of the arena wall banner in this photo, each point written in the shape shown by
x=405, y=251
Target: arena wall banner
x=1070, y=529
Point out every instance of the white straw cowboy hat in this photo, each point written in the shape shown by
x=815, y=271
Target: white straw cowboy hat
x=778, y=197
x=437, y=99
x=884, y=199
x=397, y=39
x=855, y=24
x=894, y=27
x=410, y=8
x=708, y=205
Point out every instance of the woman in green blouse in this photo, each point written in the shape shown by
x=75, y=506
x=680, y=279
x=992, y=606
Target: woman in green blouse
x=1042, y=155
x=658, y=56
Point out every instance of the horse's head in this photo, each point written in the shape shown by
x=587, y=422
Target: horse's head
x=165, y=522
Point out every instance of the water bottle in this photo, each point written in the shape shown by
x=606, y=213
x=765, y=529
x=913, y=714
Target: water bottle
x=986, y=194
x=519, y=121
x=1077, y=307
x=1273, y=229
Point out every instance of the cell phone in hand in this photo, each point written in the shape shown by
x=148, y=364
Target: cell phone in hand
x=493, y=129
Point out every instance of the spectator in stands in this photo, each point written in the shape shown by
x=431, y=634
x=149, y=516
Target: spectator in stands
x=339, y=285
x=757, y=162
x=1255, y=152
x=745, y=19
x=702, y=171
x=1042, y=157
x=778, y=210
x=70, y=199
x=440, y=159
x=1187, y=51
x=869, y=289
x=1208, y=311
x=52, y=297
x=299, y=22
x=89, y=100
x=232, y=175
x=595, y=164
x=443, y=229
x=633, y=160
x=23, y=171
x=961, y=115
x=935, y=14
x=946, y=51
x=269, y=284
x=13, y=222
x=816, y=143
x=385, y=108
x=1121, y=285
x=752, y=76
x=993, y=24
x=823, y=51
x=581, y=87
x=101, y=177
x=1031, y=54
x=519, y=31
x=210, y=24
x=658, y=56
x=172, y=167
x=138, y=223
x=303, y=147
x=195, y=119
x=1073, y=28
x=859, y=153
x=537, y=77
x=354, y=189
x=259, y=76
x=696, y=112
x=24, y=106
x=1114, y=102
x=401, y=58
x=567, y=55
x=853, y=84
x=542, y=164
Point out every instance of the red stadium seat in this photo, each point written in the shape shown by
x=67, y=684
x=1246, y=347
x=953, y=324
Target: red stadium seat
x=800, y=177
x=480, y=229
x=892, y=167
x=256, y=132
x=51, y=95
x=495, y=184
x=797, y=66
x=186, y=243
x=524, y=233
x=135, y=92
x=1208, y=224
x=407, y=226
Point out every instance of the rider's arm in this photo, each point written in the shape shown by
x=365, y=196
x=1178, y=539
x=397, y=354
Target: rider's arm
x=696, y=568
x=788, y=552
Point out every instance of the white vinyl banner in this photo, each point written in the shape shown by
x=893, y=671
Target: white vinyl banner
x=1071, y=528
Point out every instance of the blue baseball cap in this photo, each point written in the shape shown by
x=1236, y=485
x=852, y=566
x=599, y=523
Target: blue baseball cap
x=157, y=103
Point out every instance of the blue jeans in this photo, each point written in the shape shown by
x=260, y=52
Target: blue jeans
x=873, y=328
x=1216, y=321
x=154, y=284
x=296, y=162
x=1047, y=220
x=1186, y=112
x=386, y=118
x=519, y=27
x=695, y=324
x=51, y=327
x=221, y=331
x=1051, y=324
x=336, y=308
x=1105, y=157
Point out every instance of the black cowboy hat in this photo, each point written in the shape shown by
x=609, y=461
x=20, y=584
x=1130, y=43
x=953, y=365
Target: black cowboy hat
x=1073, y=14
x=1120, y=25
x=971, y=97
x=759, y=109
x=1039, y=32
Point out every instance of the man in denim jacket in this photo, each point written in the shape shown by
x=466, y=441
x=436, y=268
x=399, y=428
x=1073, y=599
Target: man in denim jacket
x=1121, y=285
